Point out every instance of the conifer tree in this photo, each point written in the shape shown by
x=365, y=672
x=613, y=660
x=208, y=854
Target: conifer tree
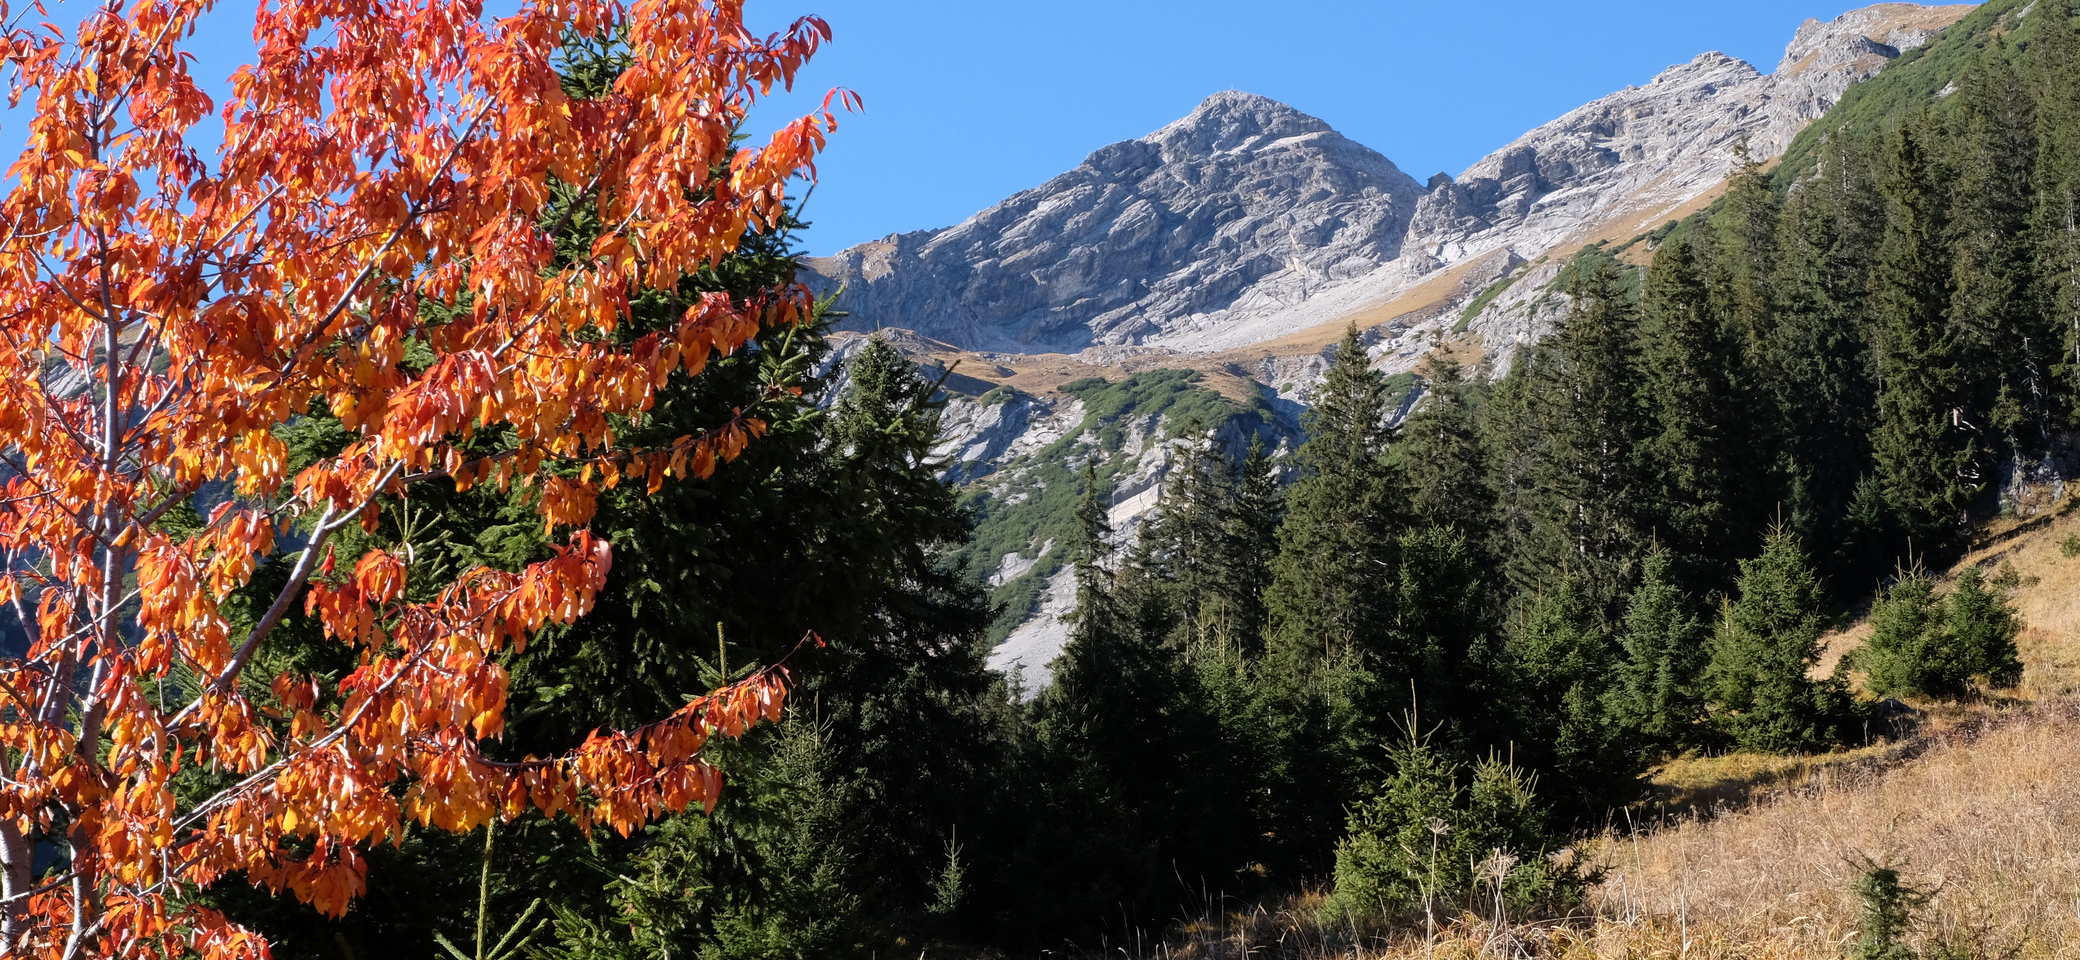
x=1102, y=745
x=1768, y=640
x=1332, y=585
x=2055, y=220
x=1816, y=365
x=1984, y=621
x=1926, y=451
x=1253, y=520
x=1557, y=659
x=1437, y=452
x=1445, y=611
x=2005, y=346
x=1577, y=429
x=1935, y=646
x=1510, y=439
x=1698, y=450
x=1657, y=695
x=1138, y=782
x=1333, y=658
x=1911, y=651
x=1743, y=253
x=1185, y=552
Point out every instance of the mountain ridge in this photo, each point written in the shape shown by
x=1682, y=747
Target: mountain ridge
x=1248, y=219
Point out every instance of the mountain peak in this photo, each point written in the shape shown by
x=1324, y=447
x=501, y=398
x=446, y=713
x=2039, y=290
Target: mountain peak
x=1232, y=120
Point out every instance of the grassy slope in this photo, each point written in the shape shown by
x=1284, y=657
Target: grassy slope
x=1980, y=801
x=1911, y=81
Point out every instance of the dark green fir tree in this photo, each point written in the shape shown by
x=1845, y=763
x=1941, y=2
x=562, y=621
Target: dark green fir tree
x=1332, y=585
x=1927, y=452
x=1743, y=253
x=1815, y=368
x=1659, y=695
x=1763, y=652
x=1437, y=452
x=1700, y=450
x=2055, y=218
x=2006, y=347
x=1569, y=438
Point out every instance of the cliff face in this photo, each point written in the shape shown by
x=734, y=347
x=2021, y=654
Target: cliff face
x=1249, y=220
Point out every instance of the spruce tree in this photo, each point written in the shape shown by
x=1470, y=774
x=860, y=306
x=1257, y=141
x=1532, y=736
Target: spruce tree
x=1743, y=253
x=1437, y=452
x=1254, y=516
x=1104, y=746
x=1699, y=453
x=2006, y=348
x=1935, y=646
x=1766, y=644
x=1816, y=366
x=1556, y=665
x=1984, y=621
x=1185, y=551
x=1927, y=453
x=1576, y=427
x=1445, y=611
x=1332, y=585
x=1658, y=695
x=2055, y=219
x=1911, y=651
x=1334, y=661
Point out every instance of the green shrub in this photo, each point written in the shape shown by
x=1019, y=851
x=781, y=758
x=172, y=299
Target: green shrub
x=2070, y=546
x=1930, y=646
x=1487, y=296
x=1888, y=910
x=1429, y=838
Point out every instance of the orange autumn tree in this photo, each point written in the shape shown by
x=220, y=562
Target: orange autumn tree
x=392, y=176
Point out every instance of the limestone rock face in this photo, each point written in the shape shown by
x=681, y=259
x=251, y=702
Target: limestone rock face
x=1642, y=148
x=1825, y=58
x=1242, y=208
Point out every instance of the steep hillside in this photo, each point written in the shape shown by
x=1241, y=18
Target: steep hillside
x=1756, y=856
x=1975, y=805
x=1920, y=76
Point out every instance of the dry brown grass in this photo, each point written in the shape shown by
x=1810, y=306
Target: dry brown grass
x=1984, y=816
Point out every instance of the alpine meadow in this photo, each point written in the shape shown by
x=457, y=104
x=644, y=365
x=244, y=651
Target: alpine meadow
x=448, y=512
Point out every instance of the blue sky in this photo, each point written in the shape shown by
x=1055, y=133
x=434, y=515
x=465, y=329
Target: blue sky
x=969, y=101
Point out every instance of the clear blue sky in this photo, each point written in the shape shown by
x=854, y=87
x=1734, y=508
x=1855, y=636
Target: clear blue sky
x=969, y=101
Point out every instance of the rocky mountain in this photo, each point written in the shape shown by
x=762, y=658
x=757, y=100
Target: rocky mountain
x=1239, y=210
x=1192, y=279
x=1248, y=220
